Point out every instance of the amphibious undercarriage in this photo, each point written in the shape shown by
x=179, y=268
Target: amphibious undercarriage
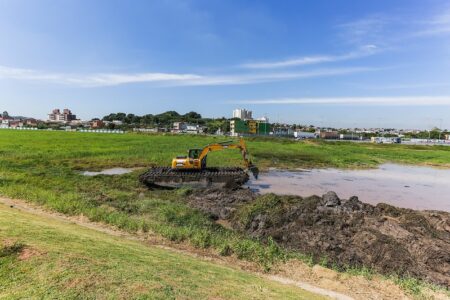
x=207, y=177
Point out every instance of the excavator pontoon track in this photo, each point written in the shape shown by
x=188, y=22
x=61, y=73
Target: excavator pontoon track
x=169, y=177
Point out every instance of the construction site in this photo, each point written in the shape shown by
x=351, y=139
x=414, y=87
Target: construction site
x=218, y=199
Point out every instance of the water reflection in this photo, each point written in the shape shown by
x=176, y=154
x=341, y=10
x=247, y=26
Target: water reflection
x=113, y=171
x=403, y=186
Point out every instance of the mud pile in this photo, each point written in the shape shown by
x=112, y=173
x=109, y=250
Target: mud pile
x=220, y=203
x=345, y=232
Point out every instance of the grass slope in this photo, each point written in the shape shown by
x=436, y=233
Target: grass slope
x=52, y=259
x=43, y=167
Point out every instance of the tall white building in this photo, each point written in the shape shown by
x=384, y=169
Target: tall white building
x=242, y=114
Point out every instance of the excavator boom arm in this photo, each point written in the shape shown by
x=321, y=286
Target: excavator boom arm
x=227, y=145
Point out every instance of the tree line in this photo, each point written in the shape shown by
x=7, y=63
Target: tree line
x=166, y=120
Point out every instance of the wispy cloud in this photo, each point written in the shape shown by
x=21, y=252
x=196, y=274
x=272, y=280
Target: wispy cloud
x=310, y=60
x=388, y=30
x=405, y=86
x=88, y=80
x=369, y=29
x=387, y=100
x=439, y=24
x=166, y=79
x=271, y=77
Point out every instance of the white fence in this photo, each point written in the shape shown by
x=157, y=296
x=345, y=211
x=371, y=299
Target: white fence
x=116, y=131
x=102, y=131
x=19, y=128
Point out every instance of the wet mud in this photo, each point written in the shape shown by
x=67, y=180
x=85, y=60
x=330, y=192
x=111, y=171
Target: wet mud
x=342, y=232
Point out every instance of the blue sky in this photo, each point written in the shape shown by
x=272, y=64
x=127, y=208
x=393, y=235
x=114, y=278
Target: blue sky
x=329, y=63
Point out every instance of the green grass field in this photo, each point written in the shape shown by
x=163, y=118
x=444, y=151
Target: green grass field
x=44, y=168
x=47, y=258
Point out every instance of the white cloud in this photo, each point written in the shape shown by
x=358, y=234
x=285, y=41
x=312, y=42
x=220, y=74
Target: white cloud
x=394, y=101
x=402, y=86
x=90, y=79
x=309, y=60
x=439, y=24
x=165, y=79
x=271, y=77
x=387, y=30
x=370, y=29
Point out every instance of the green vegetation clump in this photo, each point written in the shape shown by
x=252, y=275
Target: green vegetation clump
x=11, y=250
x=274, y=208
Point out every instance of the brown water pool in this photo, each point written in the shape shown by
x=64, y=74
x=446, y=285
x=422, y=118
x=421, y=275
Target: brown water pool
x=399, y=185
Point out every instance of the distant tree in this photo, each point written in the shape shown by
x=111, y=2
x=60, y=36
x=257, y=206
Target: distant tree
x=166, y=120
x=42, y=125
x=192, y=115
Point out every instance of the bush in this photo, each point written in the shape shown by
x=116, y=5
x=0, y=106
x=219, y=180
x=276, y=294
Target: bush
x=11, y=250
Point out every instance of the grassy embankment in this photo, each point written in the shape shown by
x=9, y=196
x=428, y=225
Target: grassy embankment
x=42, y=167
x=46, y=258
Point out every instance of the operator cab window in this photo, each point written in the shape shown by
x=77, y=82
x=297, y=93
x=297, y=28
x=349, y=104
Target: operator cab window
x=194, y=153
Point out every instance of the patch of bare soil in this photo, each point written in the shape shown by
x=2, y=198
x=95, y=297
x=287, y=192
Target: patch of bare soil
x=345, y=232
x=29, y=252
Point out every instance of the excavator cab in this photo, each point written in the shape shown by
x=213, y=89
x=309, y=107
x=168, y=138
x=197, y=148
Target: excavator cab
x=194, y=153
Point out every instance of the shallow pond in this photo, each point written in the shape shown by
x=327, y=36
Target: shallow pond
x=113, y=171
x=399, y=185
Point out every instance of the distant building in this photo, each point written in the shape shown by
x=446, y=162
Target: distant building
x=241, y=127
x=117, y=122
x=385, y=140
x=331, y=135
x=447, y=137
x=194, y=129
x=65, y=116
x=15, y=124
x=182, y=127
x=304, y=135
x=350, y=136
x=95, y=124
x=242, y=114
x=263, y=119
x=179, y=127
x=285, y=131
x=4, y=124
x=30, y=122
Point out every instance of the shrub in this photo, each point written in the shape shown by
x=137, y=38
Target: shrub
x=11, y=250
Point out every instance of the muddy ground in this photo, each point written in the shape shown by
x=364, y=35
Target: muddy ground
x=344, y=232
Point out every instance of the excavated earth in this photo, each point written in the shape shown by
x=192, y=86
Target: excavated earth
x=345, y=232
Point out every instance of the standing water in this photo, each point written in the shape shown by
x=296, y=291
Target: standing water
x=398, y=185
x=113, y=171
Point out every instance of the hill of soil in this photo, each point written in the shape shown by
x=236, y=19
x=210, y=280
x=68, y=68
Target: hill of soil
x=344, y=232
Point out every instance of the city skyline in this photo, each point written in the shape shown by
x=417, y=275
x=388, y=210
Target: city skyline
x=371, y=64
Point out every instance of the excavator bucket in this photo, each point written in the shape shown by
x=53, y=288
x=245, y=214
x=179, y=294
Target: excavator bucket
x=254, y=170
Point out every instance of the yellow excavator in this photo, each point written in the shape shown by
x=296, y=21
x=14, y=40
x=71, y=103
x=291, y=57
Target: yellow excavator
x=192, y=169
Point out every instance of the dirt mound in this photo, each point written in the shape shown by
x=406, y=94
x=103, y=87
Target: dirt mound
x=220, y=203
x=343, y=232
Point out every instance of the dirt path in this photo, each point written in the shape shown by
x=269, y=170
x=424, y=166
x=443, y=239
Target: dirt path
x=316, y=280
